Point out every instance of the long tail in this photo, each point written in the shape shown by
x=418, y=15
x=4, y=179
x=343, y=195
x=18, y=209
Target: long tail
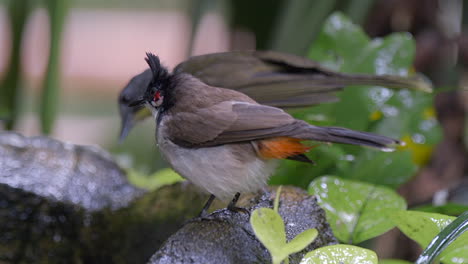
x=343, y=135
x=416, y=82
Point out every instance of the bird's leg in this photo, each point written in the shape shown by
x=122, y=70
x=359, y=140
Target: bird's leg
x=206, y=206
x=232, y=205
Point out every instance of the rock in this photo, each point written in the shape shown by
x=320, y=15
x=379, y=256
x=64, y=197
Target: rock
x=227, y=237
x=62, y=203
x=82, y=175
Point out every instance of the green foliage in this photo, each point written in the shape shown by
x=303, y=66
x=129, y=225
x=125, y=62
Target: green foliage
x=10, y=86
x=394, y=261
x=299, y=21
x=404, y=114
x=356, y=211
x=424, y=227
x=155, y=181
x=57, y=10
x=452, y=209
x=340, y=254
x=269, y=229
x=11, y=91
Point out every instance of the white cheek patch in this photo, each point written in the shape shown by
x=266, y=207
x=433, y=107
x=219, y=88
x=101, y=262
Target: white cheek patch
x=158, y=102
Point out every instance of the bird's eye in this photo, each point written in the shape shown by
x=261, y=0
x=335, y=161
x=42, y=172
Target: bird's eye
x=157, y=96
x=157, y=99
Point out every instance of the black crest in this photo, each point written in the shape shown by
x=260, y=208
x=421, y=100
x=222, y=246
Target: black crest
x=160, y=73
x=160, y=81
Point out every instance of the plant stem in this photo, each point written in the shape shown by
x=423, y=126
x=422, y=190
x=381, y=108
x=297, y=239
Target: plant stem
x=57, y=10
x=10, y=91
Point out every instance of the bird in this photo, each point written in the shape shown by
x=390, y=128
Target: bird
x=269, y=77
x=225, y=142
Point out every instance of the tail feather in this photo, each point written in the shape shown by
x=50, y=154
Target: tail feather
x=344, y=136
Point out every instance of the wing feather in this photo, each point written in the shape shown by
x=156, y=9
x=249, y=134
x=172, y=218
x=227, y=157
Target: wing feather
x=227, y=122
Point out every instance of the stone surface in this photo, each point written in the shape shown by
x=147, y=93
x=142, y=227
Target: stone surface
x=63, y=203
x=82, y=175
x=227, y=237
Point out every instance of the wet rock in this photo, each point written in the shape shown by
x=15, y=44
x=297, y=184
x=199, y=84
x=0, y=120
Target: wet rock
x=62, y=203
x=227, y=237
x=82, y=175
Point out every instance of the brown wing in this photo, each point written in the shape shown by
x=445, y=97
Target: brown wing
x=227, y=122
x=281, y=79
x=231, y=122
x=266, y=76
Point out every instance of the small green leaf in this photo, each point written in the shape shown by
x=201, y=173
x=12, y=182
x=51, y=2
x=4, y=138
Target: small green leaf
x=356, y=211
x=394, y=261
x=424, y=227
x=340, y=254
x=155, y=181
x=269, y=229
x=301, y=241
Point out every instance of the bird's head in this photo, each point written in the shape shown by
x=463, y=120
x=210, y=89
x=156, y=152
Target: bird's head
x=134, y=91
x=156, y=94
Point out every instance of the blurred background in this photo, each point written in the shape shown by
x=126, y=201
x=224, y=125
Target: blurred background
x=63, y=64
x=63, y=78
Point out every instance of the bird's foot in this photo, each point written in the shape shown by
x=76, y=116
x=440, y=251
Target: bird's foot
x=233, y=208
x=206, y=207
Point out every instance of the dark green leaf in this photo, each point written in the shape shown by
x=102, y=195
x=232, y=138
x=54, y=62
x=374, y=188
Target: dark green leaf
x=340, y=254
x=383, y=168
x=424, y=227
x=356, y=211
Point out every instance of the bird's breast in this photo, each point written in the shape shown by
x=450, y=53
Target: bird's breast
x=220, y=170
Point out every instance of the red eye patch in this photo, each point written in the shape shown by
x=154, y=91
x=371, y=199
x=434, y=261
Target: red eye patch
x=157, y=96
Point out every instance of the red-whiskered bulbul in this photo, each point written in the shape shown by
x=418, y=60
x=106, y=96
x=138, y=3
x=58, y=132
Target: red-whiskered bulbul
x=271, y=78
x=225, y=142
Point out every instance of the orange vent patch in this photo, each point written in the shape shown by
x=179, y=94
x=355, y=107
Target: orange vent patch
x=281, y=148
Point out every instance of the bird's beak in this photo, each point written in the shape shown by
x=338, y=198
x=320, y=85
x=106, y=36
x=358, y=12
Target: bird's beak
x=129, y=116
x=126, y=119
x=126, y=126
x=139, y=102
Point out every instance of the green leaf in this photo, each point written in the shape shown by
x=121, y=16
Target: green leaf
x=337, y=47
x=420, y=226
x=394, y=261
x=269, y=229
x=452, y=209
x=338, y=41
x=298, y=24
x=340, y=254
x=424, y=227
x=356, y=211
x=301, y=241
x=155, y=181
x=384, y=168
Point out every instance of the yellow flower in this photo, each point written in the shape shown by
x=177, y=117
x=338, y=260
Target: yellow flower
x=420, y=153
x=376, y=115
